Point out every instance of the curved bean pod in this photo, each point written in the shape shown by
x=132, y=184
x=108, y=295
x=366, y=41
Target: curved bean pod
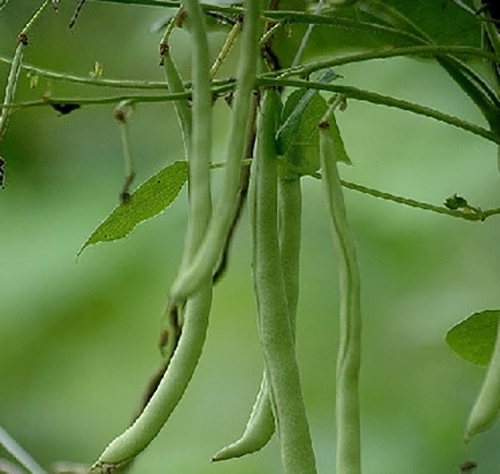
x=275, y=331
x=258, y=431
x=487, y=406
x=196, y=129
x=349, y=351
x=207, y=256
x=260, y=426
x=170, y=390
x=188, y=350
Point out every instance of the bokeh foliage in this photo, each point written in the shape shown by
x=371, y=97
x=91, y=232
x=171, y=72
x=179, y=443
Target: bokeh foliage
x=78, y=341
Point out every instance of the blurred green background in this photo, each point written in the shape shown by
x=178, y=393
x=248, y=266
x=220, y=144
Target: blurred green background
x=78, y=339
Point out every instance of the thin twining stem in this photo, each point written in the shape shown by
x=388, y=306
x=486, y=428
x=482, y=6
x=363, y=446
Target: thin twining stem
x=117, y=83
x=433, y=50
x=468, y=213
x=380, y=99
x=348, y=91
x=304, y=70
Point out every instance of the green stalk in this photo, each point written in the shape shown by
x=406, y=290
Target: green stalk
x=380, y=99
x=347, y=407
x=10, y=90
x=176, y=86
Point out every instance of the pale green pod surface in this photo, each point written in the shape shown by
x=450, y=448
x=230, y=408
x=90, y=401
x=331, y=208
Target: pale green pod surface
x=273, y=316
x=207, y=256
x=171, y=388
x=487, y=406
x=3, y=3
x=347, y=408
x=259, y=429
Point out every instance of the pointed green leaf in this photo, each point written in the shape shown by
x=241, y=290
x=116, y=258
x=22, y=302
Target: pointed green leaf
x=151, y=198
x=473, y=338
x=297, y=138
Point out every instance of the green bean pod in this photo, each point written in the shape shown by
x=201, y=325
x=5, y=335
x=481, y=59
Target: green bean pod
x=349, y=351
x=258, y=431
x=260, y=426
x=210, y=251
x=275, y=330
x=487, y=406
x=188, y=348
x=170, y=390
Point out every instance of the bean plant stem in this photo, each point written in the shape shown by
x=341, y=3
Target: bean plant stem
x=432, y=50
x=380, y=99
x=347, y=408
x=10, y=90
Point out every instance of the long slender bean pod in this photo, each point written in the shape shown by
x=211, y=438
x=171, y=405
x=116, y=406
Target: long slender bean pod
x=196, y=311
x=199, y=161
x=487, y=406
x=210, y=250
x=274, y=325
x=260, y=426
x=349, y=351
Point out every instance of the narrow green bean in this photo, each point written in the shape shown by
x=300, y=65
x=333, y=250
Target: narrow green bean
x=487, y=406
x=196, y=129
x=290, y=227
x=260, y=426
x=188, y=348
x=258, y=431
x=201, y=129
x=170, y=390
x=211, y=248
x=349, y=351
x=275, y=331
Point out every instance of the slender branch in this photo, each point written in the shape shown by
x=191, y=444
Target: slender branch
x=117, y=83
x=379, y=99
x=132, y=99
x=432, y=50
x=468, y=215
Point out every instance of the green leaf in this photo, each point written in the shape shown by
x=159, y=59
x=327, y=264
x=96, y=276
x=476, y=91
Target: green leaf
x=151, y=198
x=297, y=138
x=442, y=21
x=474, y=338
